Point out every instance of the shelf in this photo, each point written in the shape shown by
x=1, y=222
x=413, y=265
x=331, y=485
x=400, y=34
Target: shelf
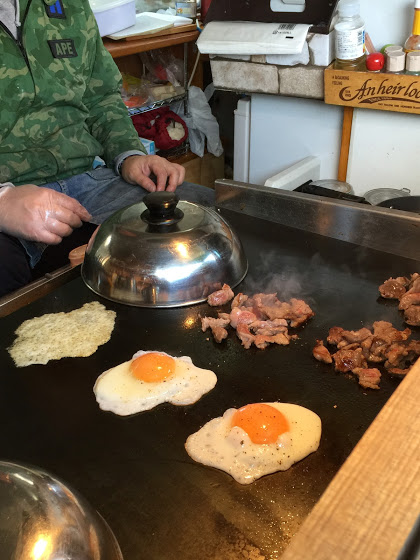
x=148, y=42
x=382, y=91
x=155, y=105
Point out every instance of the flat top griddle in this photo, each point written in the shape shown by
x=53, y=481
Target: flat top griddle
x=135, y=471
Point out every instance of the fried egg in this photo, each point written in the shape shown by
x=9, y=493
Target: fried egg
x=256, y=440
x=149, y=379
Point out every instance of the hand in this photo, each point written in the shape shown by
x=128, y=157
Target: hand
x=136, y=170
x=39, y=214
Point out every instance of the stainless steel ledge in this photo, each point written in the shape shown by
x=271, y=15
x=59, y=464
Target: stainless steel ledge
x=391, y=231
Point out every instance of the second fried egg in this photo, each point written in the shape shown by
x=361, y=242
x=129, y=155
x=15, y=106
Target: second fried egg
x=256, y=440
x=151, y=378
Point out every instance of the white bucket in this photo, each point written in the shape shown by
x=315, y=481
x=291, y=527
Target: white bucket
x=113, y=15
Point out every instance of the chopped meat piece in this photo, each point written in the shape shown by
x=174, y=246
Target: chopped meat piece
x=334, y=335
x=398, y=371
x=262, y=341
x=269, y=328
x=279, y=310
x=386, y=332
x=351, y=337
x=321, y=353
x=221, y=296
x=240, y=315
x=245, y=335
x=219, y=333
x=300, y=313
x=347, y=360
x=374, y=349
x=403, y=354
x=217, y=326
x=395, y=353
x=368, y=377
x=265, y=300
x=394, y=288
x=239, y=300
x=408, y=299
x=412, y=315
x=210, y=322
x=297, y=311
x=225, y=317
x=414, y=281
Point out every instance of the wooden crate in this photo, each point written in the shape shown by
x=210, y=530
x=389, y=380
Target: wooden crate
x=370, y=90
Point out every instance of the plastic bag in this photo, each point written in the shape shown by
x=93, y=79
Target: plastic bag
x=202, y=124
x=163, y=67
x=134, y=91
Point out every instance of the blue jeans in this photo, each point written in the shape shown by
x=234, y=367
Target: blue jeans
x=102, y=193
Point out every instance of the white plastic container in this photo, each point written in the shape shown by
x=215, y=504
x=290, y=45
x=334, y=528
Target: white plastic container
x=113, y=15
x=241, y=140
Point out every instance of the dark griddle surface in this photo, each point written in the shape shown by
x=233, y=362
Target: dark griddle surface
x=135, y=471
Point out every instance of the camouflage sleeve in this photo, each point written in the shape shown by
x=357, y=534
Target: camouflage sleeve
x=108, y=119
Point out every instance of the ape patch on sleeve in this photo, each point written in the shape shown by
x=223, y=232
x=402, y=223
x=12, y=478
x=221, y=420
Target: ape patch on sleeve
x=63, y=48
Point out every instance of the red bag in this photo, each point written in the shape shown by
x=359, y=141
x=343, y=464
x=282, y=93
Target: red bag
x=154, y=125
x=163, y=139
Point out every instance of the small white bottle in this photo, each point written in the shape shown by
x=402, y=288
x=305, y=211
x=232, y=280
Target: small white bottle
x=349, y=37
x=412, y=65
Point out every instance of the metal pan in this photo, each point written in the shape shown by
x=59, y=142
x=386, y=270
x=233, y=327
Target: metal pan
x=408, y=203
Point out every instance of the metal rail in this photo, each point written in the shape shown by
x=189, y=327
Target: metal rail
x=391, y=231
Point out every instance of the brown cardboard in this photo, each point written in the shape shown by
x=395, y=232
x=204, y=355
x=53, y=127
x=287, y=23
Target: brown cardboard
x=370, y=90
x=203, y=171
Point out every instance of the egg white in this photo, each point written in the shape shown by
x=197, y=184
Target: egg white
x=118, y=391
x=230, y=449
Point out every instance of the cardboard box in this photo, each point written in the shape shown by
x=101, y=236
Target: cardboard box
x=149, y=145
x=370, y=90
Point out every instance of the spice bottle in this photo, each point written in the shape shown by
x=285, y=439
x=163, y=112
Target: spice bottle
x=412, y=63
x=349, y=37
x=413, y=42
x=395, y=62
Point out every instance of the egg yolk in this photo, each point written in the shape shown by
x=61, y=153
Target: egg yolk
x=152, y=367
x=263, y=423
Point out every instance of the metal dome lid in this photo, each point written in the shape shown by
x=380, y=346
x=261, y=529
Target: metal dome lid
x=163, y=252
x=42, y=518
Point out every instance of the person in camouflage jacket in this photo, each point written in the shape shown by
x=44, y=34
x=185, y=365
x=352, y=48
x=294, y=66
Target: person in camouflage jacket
x=60, y=106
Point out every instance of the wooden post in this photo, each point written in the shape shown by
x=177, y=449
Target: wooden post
x=345, y=143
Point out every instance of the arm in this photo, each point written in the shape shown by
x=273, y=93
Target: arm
x=108, y=118
x=111, y=125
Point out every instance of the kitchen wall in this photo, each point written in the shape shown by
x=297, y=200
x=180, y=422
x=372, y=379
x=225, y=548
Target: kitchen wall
x=384, y=145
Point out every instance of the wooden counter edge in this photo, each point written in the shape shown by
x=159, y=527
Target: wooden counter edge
x=145, y=43
x=371, y=505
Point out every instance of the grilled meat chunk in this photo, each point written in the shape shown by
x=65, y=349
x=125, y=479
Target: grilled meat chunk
x=262, y=341
x=239, y=300
x=386, y=332
x=217, y=326
x=412, y=315
x=240, y=315
x=245, y=335
x=368, y=377
x=394, y=288
x=321, y=353
x=347, y=360
x=220, y=297
x=408, y=299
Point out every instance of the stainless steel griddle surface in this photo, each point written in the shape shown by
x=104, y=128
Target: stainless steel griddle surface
x=135, y=471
